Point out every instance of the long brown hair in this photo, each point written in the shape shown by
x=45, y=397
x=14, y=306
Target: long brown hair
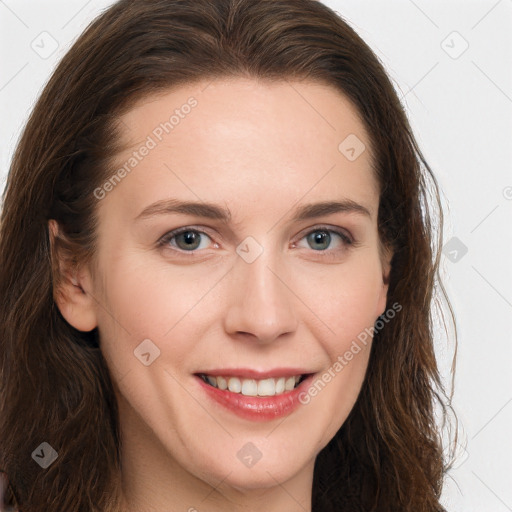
x=55, y=384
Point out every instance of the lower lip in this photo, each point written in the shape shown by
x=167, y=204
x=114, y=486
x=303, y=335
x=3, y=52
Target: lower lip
x=256, y=408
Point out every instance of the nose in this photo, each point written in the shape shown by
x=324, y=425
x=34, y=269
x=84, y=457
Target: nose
x=260, y=303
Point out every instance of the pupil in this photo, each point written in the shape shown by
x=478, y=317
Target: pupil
x=190, y=238
x=322, y=237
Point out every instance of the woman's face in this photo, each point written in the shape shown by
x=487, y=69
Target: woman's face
x=260, y=289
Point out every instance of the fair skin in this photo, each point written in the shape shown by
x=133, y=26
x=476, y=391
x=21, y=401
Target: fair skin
x=261, y=150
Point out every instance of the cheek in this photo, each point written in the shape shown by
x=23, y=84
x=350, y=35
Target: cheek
x=346, y=300
x=133, y=306
x=140, y=300
x=347, y=310
x=150, y=298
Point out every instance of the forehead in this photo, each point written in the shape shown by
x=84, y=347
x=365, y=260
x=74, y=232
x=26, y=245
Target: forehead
x=244, y=138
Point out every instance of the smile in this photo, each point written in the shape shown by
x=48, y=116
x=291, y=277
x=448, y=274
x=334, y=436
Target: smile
x=255, y=395
x=254, y=387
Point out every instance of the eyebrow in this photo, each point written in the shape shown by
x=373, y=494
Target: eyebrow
x=215, y=212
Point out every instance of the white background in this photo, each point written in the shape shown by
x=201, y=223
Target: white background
x=460, y=107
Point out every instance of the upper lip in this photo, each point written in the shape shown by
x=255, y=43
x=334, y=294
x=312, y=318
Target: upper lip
x=249, y=373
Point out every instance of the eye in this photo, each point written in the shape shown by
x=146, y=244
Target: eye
x=320, y=239
x=188, y=239
x=185, y=239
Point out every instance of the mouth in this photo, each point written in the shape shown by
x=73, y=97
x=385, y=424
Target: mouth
x=273, y=386
x=255, y=395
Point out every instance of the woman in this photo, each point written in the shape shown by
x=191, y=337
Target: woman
x=173, y=338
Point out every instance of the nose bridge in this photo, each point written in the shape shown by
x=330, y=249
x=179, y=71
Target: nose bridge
x=261, y=304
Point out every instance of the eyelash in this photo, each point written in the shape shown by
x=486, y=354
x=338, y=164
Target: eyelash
x=346, y=239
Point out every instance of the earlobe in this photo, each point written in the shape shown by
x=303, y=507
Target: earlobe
x=386, y=258
x=382, y=300
x=386, y=269
x=77, y=312
x=71, y=294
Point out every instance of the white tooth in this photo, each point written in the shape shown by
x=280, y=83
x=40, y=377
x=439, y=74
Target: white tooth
x=280, y=385
x=222, y=383
x=267, y=387
x=234, y=385
x=249, y=387
x=212, y=380
x=297, y=378
x=289, y=384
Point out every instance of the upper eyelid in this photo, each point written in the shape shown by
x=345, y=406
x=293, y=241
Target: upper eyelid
x=326, y=227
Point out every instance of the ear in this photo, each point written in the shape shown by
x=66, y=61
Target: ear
x=386, y=254
x=73, y=291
